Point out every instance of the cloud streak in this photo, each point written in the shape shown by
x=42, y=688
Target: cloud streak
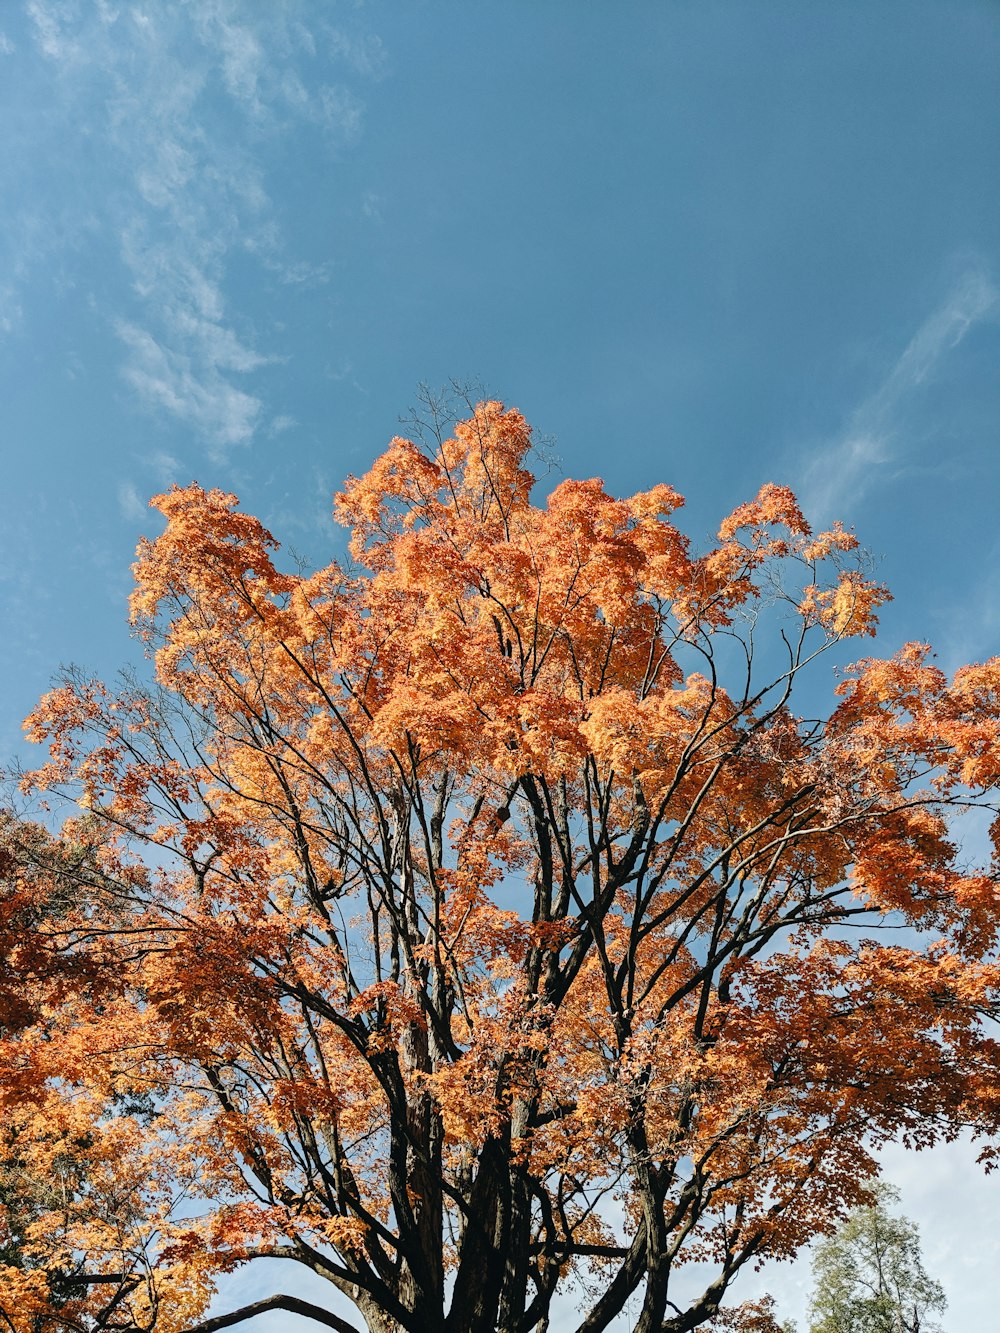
x=199, y=393
x=849, y=465
x=182, y=100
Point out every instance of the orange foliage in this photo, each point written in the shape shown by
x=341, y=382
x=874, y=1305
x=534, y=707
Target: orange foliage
x=499, y=913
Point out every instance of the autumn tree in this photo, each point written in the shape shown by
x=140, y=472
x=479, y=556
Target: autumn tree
x=485, y=912
x=758, y=1316
x=870, y=1275
x=73, y=1246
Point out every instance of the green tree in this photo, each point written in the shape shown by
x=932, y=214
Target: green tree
x=870, y=1276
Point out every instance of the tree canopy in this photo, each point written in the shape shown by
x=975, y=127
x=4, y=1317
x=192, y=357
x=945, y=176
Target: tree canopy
x=494, y=909
x=870, y=1275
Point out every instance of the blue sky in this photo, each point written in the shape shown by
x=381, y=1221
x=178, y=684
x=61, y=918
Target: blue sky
x=713, y=244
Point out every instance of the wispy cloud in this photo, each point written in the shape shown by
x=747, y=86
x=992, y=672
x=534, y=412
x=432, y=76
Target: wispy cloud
x=199, y=393
x=849, y=465
x=969, y=625
x=279, y=425
x=164, y=467
x=371, y=206
x=182, y=102
x=130, y=503
x=10, y=309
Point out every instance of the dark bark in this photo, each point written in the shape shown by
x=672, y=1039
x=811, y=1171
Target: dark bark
x=290, y=1303
x=479, y=1279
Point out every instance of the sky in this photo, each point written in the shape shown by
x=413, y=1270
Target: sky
x=712, y=244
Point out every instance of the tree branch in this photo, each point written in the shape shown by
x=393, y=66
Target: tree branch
x=290, y=1303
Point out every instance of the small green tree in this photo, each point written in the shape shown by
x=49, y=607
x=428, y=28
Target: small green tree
x=870, y=1276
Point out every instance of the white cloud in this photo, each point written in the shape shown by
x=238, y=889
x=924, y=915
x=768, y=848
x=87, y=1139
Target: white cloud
x=130, y=502
x=366, y=55
x=179, y=99
x=7, y=47
x=242, y=59
x=165, y=467
x=52, y=19
x=340, y=112
x=201, y=396
x=371, y=206
x=10, y=310
x=297, y=272
x=969, y=625
x=849, y=465
x=267, y=88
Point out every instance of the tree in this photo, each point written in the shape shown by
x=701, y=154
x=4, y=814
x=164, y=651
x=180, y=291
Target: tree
x=69, y=1160
x=481, y=914
x=757, y=1316
x=870, y=1276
